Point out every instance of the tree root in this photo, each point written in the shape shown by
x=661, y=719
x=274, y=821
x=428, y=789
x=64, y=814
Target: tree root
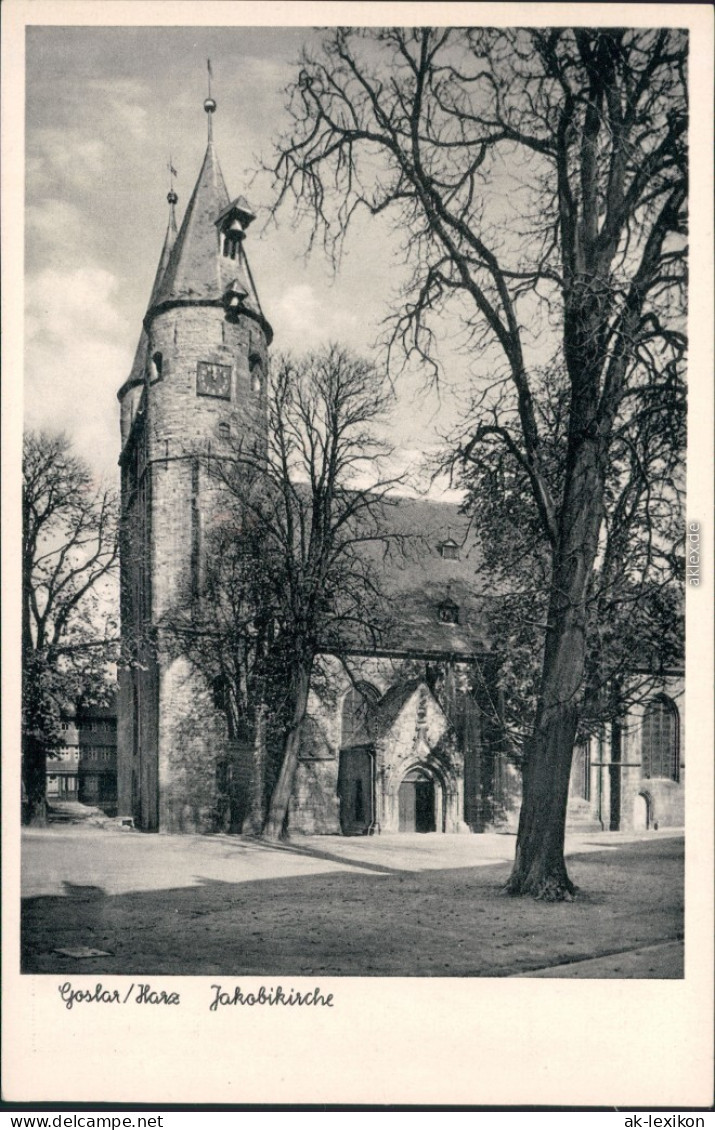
x=548, y=889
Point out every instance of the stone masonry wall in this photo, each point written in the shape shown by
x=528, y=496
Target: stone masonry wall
x=182, y=424
x=665, y=799
x=192, y=744
x=425, y=740
x=181, y=734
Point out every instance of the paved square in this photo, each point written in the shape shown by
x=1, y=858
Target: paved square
x=422, y=905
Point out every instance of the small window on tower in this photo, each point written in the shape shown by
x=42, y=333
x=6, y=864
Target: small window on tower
x=157, y=367
x=256, y=369
x=448, y=612
x=224, y=430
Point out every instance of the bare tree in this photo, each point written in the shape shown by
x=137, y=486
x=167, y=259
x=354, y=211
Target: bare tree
x=303, y=532
x=69, y=547
x=540, y=178
x=226, y=630
x=635, y=601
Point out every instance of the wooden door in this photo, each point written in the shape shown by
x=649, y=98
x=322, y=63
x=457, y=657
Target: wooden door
x=355, y=791
x=407, y=798
x=424, y=806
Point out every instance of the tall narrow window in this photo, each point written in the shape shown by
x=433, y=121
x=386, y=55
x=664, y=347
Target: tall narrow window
x=581, y=772
x=660, y=755
x=255, y=366
x=357, y=708
x=157, y=367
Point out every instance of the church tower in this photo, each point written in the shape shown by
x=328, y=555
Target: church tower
x=197, y=385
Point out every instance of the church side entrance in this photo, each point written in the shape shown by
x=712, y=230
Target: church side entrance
x=419, y=803
x=355, y=791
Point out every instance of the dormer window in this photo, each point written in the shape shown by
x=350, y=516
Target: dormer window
x=448, y=612
x=232, y=224
x=449, y=550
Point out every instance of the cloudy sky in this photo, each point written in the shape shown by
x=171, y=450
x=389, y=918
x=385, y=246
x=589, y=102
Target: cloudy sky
x=104, y=109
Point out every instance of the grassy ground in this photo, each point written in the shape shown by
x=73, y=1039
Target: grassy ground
x=219, y=906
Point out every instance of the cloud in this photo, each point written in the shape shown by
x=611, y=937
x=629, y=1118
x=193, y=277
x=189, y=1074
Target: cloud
x=133, y=121
x=307, y=319
x=94, y=127
x=70, y=303
x=72, y=161
x=77, y=353
x=81, y=177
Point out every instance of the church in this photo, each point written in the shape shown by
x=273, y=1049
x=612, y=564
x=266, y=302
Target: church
x=408, y=743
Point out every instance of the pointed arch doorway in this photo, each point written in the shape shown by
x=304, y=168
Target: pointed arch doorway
x=356, y=788
x=420, y=802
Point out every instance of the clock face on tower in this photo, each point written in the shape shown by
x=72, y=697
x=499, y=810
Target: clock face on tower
x=213, y=380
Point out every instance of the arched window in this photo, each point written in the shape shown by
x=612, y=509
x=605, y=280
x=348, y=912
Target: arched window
x=357, y=708
x=157, y=367
x=660, y=755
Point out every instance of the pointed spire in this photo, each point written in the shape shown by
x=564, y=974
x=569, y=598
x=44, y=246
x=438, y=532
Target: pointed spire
x=204, y=265
x=169, y=241
x=194, y=268
x=136, y=375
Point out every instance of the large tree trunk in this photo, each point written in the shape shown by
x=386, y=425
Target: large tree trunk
x=539, y=866
x=34, y=778
x=274, y=828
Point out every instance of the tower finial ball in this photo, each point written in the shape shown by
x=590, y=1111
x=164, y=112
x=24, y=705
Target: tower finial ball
x=209, y=105
x=172, y=197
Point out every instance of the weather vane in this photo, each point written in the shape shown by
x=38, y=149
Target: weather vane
x=209, y=104
x=172, y=197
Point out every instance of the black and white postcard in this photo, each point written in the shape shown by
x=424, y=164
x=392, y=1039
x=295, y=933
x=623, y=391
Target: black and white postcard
x=358, y=544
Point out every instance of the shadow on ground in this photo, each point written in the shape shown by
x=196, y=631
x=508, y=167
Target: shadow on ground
x=444, y=923
x=293, y=847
